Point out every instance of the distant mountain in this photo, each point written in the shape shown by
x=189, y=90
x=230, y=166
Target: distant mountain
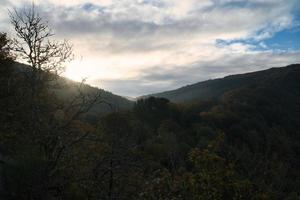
x=215, y=89
x=112, y=101
x=69, y=89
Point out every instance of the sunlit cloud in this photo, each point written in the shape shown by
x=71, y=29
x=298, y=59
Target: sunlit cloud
x=119, y=43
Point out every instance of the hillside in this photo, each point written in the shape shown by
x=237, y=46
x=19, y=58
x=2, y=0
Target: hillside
x=256, y=119
x=69, y=89
x=243, y=146
x=114, y=102
x=214, y=89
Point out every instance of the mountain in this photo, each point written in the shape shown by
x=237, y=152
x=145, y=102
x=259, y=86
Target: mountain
x=245, y=145
x=69, y=89
x=215, y=89
x=256, y=117
x=112, y=101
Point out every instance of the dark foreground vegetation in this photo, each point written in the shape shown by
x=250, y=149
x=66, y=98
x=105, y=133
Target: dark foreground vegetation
x=242, y=145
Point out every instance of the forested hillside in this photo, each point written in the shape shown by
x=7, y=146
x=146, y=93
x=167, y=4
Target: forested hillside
x=214, y=89
x=69, y=89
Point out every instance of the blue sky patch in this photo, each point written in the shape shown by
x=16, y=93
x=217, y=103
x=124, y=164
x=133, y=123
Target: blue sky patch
x=285, y=40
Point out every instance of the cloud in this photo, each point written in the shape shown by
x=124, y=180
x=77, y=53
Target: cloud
x=158, y=79
x=123, y=41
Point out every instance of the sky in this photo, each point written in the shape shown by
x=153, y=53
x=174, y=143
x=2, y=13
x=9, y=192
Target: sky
x=137, y=47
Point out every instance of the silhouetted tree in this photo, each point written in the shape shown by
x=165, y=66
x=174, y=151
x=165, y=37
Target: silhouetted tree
x=43, y=128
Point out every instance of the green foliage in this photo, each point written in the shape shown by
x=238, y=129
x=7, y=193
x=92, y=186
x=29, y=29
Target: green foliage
x=213, y=178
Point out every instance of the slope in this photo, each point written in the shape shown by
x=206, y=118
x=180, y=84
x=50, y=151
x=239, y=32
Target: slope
x=214, y=89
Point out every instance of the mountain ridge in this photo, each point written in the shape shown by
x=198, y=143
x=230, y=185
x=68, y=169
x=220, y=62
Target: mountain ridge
x=216, y=88
x=70, y=88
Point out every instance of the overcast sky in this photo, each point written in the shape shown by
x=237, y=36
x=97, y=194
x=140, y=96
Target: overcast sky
x=136, y=47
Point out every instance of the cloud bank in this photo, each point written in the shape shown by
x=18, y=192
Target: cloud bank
x=135, y=47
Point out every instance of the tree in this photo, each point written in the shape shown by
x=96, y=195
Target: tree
x=152, y=110
x=5, y=53
x=214, y=178
x=5, y=72
x=34, y=46
x=33, y=42
x=117, y=172
x=5, y=65
x=45, y=129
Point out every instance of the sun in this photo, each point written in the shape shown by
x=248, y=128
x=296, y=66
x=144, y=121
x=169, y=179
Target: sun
x=92, y=69
x=74, y=72
x=89, y=69
x=79, y=70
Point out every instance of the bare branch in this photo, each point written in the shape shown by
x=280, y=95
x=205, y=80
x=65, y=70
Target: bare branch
x=33, y=44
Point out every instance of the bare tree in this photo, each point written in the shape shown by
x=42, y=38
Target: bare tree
x=33, y=43
x=52, y=126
